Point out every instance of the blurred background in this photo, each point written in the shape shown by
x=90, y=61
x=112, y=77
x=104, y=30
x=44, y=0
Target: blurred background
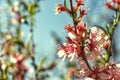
x=49, y=30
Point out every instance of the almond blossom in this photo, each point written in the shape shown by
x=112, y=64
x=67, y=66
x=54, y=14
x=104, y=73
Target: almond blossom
x=112, y=4
x=59, y=8
x=92, y=47
x=95, y=40
x=18, y=61
x=109, y=72
x=79, y=2
x=71, y=48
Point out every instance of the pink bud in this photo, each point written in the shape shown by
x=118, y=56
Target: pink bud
x=108, y=5
x=82, y=12
x=68, y=28
x=59, y=8
x=80, y=29
x=79, y=1
x=117, y=1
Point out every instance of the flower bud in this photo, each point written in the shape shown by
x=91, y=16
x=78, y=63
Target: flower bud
x=79, y=1
x=59, y=8
x=109, y=6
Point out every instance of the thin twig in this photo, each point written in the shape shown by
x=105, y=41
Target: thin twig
x=75, y=23
x=85, y=59
x=73, y=17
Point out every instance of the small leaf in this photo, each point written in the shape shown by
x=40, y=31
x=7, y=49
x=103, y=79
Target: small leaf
x=71, y=64
x=106, y=56
x=63, y=77
x=41, y=62
x=17, y=41
x=81, y=45
x=65, y=4
x=100, y=62
x=75, y=15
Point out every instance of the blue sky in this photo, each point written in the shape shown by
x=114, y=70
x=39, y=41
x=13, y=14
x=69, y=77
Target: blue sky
x=47, y=21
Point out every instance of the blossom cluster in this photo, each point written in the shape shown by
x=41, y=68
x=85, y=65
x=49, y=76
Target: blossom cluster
x=72, y=46
x=91, y=47
x=112, y=4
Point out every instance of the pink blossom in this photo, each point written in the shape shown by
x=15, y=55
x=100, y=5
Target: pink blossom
x=93, y=41
x=116, y=1
x=18, y=77
x=112, y=4
x=59, y=8
x=109, y=71
x=18, y=60
x=71, y=35
x=90, y=47
x=61, y=54
x=80, y=29
x=82, y=12
x=108, y=5
x=87, y=78
x=79, y=1
x=68, y=28
x=66, y=50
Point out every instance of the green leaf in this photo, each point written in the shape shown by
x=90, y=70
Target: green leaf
x=119, y=16
x=41, y=62
x=71, y=64
x=9, y=2
x=81, y=45
x=100, y=62
x=110, y=30
x=75, y=15
x=63, y=77
x=16, y=41
x=65, y=4
x=4, y=76
x=106, y=56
